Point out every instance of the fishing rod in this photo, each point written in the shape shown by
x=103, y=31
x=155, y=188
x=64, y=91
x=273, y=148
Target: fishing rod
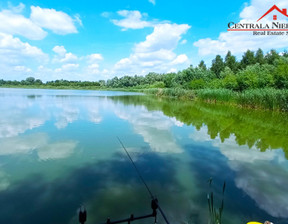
x=143, y=181
x=82, y=214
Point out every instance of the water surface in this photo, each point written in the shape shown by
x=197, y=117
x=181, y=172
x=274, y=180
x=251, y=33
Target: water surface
x=59, y=149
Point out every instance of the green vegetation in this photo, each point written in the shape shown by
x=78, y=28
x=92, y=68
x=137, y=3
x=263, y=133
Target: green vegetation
x=215, y=214
x=257, y=81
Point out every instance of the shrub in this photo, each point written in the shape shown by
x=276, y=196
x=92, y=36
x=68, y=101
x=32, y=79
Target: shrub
x=197, y=84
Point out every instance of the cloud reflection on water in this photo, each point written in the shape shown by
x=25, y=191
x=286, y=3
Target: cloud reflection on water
x=261, y=175
x=19, y=115
x=154, y=127
x=38, y=142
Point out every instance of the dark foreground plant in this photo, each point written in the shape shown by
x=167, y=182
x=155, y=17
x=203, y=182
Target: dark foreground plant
x=215, y=213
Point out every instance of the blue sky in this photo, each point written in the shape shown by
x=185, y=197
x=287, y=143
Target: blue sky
x=93, y=40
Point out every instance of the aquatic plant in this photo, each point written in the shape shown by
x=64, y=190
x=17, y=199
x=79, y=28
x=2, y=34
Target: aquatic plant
x=215, y=214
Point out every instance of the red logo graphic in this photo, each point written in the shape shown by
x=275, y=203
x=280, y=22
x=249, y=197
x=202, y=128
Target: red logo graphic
x=274, y=7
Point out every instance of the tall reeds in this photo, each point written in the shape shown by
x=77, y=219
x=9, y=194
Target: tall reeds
x=215, y=213
x=267, y=98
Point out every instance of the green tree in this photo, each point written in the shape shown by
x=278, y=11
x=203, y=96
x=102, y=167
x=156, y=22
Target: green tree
x=30, y=80
x=202, y=65
x=217, y=66
x=38, y=82
x=255, y=76
x=247, y=59
x=225, y=72
x=259, y=57
x=168, y=79
x=230, y=61
x=102, y=83
x=271, y=57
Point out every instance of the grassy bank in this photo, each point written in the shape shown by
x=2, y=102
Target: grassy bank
x=268, y=98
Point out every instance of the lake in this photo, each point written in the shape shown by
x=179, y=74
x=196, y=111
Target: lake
x=59, y=150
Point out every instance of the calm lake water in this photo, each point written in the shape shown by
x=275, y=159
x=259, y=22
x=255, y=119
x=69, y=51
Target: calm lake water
x=59, y=149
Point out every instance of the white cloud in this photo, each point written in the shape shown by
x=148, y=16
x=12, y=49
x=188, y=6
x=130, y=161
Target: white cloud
x=69, y=58
x=14, y=51
x=132, y=20
x=12, y=22
x=64, y=57
x=93, y=68
x=60, y=50
x=70, y=67
x=172, y=70
x=152, y=1
x=94, y=58
x=182, y=58
x=77, y=18
x=239, y=42
x=164, y=36
x=15, y=24
x=57, y=21
x=22, y=68
x=16, y=9
x=156, y=52
x=67, y=72
x=183, y=41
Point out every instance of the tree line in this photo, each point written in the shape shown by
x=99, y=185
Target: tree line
x=254, y=70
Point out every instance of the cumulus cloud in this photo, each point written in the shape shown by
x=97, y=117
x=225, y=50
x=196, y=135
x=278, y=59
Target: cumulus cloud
x=14, y=52
x=60, y=50
x=12, y=22
x=16, y=9
x=239, y=42
x=182, y=58
x=19, y=58
x=62, y=56
x=93, y=68
x=70, y=67
x=15, y=24
x=164, y=36
x=21, y=68
x=72, y=63
x=57, y=21
x=94, y=58
x=156, y=52
x=132, y=20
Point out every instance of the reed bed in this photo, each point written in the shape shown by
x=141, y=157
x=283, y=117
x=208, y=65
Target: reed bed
x=267, y=98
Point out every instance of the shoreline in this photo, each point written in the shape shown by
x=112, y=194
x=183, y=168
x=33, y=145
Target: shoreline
x=258, y=99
